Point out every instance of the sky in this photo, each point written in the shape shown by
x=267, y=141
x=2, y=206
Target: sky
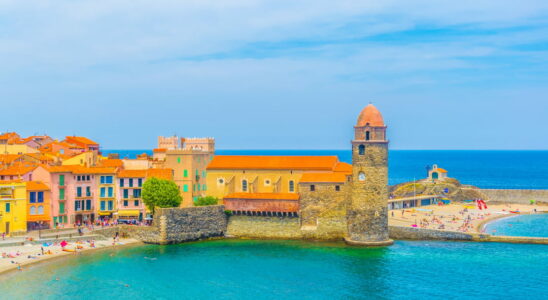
x=277, y=74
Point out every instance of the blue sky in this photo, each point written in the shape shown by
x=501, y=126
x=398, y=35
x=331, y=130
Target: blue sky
x=277, y=74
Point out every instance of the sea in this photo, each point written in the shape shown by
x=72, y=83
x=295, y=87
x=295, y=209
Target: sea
x=484, y=169
x=250, y=269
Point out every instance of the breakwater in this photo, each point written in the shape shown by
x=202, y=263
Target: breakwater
x=515, y=196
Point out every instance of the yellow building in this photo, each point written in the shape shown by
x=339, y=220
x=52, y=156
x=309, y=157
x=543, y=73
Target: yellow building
x=265, y=175
x=13, y=207
x=88, y=158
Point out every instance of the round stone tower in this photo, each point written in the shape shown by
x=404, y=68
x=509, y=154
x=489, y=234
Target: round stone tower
x=367, y=213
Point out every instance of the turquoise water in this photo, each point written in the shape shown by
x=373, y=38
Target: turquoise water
x=243, y=269
x=521, y=225
x=485, y=169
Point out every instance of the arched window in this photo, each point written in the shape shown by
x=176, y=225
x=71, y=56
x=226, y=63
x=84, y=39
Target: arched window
x=244, y=185
x=361, y=149
x=361, y=176
x=40, y=210
x=367, y=135
x=291, y=186
x=32, y=210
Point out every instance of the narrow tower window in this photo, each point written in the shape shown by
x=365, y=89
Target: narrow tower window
x=361, y=176
x=361, y=149
x=291, y=186
x=367, y=135
x=244, y=185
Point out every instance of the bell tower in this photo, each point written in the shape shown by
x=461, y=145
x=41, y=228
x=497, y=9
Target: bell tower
x=367, y=212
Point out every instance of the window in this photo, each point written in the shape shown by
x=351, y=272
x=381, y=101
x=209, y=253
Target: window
x=79, y=191
x=367, y=136
x=41, y=210
x=337, y=188
x=32, y=210
x=125, y=203
x=204, y=187
x=136, y=203
x=103, y=192
x=88, y=191
x=185, y=188
x=110, y=192
x=312, y=187
x=291, y=186
x=204, y=173
x=32, y=197
x=61, y=180
x=185, y=173
x=244, y=185
x=88, y=178
x=103, y=205
x=178, y=160
x=121, y=182
x=88, y=204
x=106, y=179
x=61, y=194
x=361, y=176
x=140, y=182
x=78, y=178
x=131, y=182
x=361, y=150
x=137, y=193
x=40, y=197
x=110, y=205
x=77, y=205
x=198, y=187
x=221, y=181
x=267, y=182
x=61, y=208
x=126, y=193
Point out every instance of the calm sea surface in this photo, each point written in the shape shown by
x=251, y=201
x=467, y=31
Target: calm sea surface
x=522, y=225
x=485, y=169
x=240, y=269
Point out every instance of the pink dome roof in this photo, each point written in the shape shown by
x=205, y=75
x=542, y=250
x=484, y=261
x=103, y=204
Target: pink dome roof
x=371, y=116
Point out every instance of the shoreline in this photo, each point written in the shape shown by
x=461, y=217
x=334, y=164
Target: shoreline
x=9, y=268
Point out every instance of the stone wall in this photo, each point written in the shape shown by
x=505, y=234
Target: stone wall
x=323, y=211
x=175, y=225
x=411, y=233
x=192, y=223
x=516, y=196
x=260, y=227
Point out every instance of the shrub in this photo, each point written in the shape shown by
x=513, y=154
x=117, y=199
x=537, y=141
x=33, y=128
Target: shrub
x=205, y=201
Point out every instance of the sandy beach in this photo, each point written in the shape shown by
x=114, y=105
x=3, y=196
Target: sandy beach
x=458, y=217
x=17, y=257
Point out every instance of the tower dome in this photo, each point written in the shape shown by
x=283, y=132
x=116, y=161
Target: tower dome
x=371, y=116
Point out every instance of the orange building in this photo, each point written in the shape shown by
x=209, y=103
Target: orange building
x=38, y=206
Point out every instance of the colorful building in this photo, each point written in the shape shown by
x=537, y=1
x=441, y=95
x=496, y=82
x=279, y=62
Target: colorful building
x=266, y=183
x=130, y=183
x=83, y=142
x=38, y=206
x=13, y=208
x=188, y=161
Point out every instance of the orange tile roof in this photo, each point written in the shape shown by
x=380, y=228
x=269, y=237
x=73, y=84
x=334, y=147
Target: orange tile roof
x=263, y=196
x=94, y=170
x=441, y=170
x=8, y=158
x=111, y=162
x=81, y=139
x=343, y=168
x=62, y=169
x=159, y=150
x=157, y=173
x=18, y=170
x=323, y=177
x=248, y=162
x=36, y=186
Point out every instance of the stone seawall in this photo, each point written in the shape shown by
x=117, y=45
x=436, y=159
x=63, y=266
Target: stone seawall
x=175, y=225
x=192, y=223
x=411, y=233
x=264, y=227
x=516, y=196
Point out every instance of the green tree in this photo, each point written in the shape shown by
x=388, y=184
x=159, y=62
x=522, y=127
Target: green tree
x=160, y=193
x=204, y=201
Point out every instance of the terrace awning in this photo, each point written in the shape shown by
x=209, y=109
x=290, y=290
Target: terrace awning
x=128, y=213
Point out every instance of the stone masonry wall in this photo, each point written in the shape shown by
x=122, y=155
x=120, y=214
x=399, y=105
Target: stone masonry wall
x=411, y=233
x=192, y=223
x=516, y=196
x=176, y=225
x=264, y=227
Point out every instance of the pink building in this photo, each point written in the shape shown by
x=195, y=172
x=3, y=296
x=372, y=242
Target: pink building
x=63, y=192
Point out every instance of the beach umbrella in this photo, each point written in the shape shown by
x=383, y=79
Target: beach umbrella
x=64, y=244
